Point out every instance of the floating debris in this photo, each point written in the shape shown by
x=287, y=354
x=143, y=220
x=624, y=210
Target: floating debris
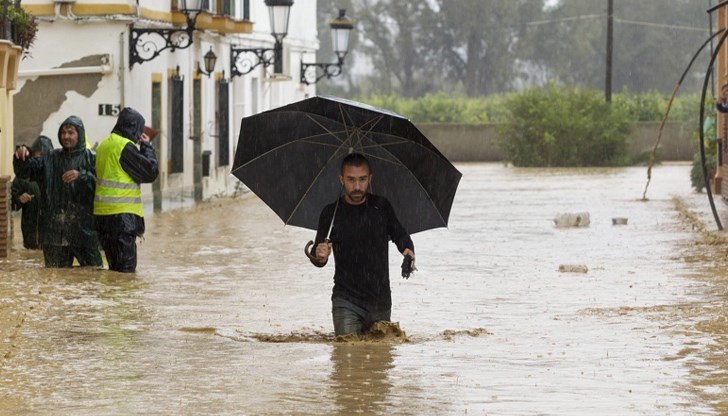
x=200, y=329
x=619, y=221
x=573, y=268
x=449, y=334
x=579, y=219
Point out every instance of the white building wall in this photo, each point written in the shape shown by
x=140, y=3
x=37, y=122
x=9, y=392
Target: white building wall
x=65, y=37
x=48, y=54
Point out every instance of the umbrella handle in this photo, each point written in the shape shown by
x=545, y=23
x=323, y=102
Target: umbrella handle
x=307, y=250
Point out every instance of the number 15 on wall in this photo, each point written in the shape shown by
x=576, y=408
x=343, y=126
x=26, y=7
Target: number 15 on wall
x=109, y=109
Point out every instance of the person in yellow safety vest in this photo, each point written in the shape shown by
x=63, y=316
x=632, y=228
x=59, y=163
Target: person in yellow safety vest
x=121, y=167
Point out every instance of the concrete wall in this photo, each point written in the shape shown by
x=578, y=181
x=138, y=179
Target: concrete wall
x=465, y=143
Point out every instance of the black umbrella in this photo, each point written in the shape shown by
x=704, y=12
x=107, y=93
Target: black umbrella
x=291, y=158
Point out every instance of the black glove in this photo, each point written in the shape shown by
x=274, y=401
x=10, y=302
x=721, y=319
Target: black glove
x=408, y=266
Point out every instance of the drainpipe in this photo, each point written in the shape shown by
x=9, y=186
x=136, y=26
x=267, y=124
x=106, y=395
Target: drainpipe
x=104, y=69
x=122, y=69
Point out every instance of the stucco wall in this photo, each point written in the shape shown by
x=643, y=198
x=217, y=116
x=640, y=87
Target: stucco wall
x=464, y=143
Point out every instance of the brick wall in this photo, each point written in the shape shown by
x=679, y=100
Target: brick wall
x=6, y=223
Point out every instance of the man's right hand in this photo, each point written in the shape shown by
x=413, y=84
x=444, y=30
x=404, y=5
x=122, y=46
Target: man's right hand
x=323, y=251
x=22, y=153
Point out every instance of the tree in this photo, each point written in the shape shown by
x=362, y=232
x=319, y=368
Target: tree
x=653, y=42
x=483, y=42
x=479, y=47
x=392, y=34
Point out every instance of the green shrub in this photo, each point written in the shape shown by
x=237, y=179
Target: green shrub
x=564, y=126
x=648, y=106
x=23, y=27
x=440, y=108
x=553, y=126
x=696, y=173
x=388, y=102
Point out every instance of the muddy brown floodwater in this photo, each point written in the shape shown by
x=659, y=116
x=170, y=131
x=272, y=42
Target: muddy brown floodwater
x=226, y=316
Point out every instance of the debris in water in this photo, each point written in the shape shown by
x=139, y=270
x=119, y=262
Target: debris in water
x=449, y=334
x=381, y=331
x=385, y=329
x=310, y=337
x=573, y=268
x=579, y=219
x=619, y=221
x=202, y=330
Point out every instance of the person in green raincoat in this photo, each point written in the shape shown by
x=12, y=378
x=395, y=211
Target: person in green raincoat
x=67, y=180
x=25, y=196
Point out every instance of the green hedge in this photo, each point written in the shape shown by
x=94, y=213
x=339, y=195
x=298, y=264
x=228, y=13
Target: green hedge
x=553, y=125
x=557, y=126
x=441, y=108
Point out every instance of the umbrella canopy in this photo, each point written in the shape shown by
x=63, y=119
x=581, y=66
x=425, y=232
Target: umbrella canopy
x=291, y=158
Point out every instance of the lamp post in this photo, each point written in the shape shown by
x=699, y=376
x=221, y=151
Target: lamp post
x=341, y=28
x=242, y=59
x=210, y=59
x=146, y=44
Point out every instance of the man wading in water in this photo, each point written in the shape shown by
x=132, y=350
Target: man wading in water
x=362, y=226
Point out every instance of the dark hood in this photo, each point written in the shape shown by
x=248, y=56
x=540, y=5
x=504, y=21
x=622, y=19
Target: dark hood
x=42, y=143
x=130, y=124
x=78, y=124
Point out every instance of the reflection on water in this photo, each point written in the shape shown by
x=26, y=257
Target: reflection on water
x=359, y=377
x=227, y=316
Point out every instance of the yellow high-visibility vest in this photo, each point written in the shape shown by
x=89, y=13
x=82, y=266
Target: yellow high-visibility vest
x=116, y=191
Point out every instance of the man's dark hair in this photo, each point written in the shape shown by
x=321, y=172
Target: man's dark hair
x=355, y=159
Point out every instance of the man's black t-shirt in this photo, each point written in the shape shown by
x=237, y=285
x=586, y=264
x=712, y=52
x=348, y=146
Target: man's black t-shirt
x=360, y=238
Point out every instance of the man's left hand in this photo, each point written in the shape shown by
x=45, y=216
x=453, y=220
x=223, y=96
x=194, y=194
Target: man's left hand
x=408, y=263
x=408, y=252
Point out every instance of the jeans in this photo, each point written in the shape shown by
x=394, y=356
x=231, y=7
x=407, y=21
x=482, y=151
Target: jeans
x=352, y=319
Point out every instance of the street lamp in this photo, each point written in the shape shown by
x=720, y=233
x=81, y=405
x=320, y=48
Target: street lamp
x=210, y=59
x=241, y=62
x=147, y=44
x=341, y=28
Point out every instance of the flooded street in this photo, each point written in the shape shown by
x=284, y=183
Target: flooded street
x=227, y=316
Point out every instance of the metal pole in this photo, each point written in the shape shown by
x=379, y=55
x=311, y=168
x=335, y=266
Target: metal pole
x=278, y=56
x=610, y=35
x=706, y=81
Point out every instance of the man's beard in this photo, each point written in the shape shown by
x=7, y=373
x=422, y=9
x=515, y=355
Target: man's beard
x=357, y=196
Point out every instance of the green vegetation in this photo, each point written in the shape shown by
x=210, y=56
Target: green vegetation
x=554, y=125
x=696, y=173
x=479, y=48
x=557, y=126
x=440, y=108
x=23, y=27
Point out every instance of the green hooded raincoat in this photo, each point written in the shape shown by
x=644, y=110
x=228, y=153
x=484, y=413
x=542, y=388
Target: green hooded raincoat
x=66, y=209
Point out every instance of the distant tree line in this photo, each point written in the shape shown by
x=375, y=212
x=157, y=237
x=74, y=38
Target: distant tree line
x=477, y=48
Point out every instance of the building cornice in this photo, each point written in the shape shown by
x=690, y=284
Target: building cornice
x=111, y=11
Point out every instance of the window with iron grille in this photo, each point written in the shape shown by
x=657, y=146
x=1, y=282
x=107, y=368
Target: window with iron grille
x=157, y=125
x=176, y=126
x=223, y=122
